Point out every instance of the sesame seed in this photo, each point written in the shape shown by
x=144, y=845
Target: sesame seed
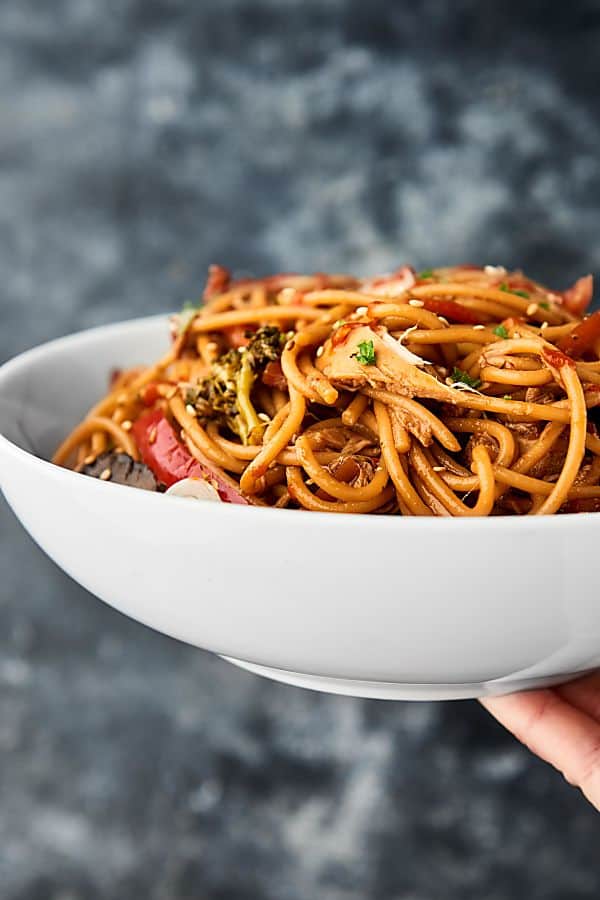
x=190, y=409
x=361, y=310
x=416, y=303
x=516, y=334
x=263, y=417
x=105, y=474
x=126, y=425
x=438, y=468
x=494, y=270
x=288, y=293
x=543, y=326
x=444, y=320
x=89, y=460
x=478, y=327
x=152, y=436
x=320, y=351
x=531, y=309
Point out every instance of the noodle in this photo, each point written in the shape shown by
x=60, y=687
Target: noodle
x=448, y=394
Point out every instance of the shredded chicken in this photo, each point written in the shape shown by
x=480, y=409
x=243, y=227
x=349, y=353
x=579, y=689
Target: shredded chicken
x=417, y=425
x=390, y=371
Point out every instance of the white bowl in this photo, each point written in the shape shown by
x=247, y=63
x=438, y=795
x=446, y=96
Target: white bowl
x=364, y=605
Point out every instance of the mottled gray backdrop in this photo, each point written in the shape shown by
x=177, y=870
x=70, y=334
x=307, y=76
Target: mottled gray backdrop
x=139, y=141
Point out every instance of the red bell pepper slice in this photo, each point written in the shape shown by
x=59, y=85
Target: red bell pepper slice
x=273, y=375
x=578, y=297
x=171, y=461
x=583, y=337
x=450, y=309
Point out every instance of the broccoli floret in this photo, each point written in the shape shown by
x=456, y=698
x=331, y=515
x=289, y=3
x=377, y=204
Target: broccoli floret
x=264, y=346
x=224, y=395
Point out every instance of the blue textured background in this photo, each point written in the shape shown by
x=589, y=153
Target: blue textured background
x=139, y=141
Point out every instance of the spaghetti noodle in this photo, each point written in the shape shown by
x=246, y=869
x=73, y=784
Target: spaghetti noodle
x=453, y=392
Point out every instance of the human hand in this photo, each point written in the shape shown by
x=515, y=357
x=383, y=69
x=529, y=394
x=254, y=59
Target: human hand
x=561, y=725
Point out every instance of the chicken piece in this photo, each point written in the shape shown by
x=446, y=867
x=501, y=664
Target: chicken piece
x=394, y=369
x=417, y=425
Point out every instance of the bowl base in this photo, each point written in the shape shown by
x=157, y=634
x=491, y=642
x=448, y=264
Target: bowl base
x=387, y=690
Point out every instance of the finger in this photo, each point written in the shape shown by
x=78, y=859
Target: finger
x=583, y=694
x=557, y=732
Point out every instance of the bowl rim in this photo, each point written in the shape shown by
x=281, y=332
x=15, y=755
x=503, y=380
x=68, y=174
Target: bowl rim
x=21, y=361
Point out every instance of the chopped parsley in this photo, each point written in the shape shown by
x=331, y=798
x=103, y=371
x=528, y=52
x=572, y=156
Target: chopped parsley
x=426, y=273
x=464, y=378
x=508, y=290
x=365, y=354
x=501, y=331
x=544, y=304
x=507, y=397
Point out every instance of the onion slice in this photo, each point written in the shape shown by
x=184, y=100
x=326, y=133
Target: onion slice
x=195, y=489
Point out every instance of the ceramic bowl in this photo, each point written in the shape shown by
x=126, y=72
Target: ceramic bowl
x=363, y=605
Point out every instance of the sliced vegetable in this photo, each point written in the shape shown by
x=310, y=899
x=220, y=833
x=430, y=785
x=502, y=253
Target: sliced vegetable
x=237, y=335
x=218, y=281
x=578, y=297
x=501, y=331
x=273, y=376
x=195, y=488
x=171, y=461
x=583, y=337
x=393, y=285
x=121, y=469
x=149, y=394
x=450, y=309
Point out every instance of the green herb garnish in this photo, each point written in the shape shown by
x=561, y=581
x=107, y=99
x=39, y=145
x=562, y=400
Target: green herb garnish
x=426, y=273
x=464, y=378
x=365, y=354
x=544, y=305
x=507, y=290
x=501, y=331
x=507, y=397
